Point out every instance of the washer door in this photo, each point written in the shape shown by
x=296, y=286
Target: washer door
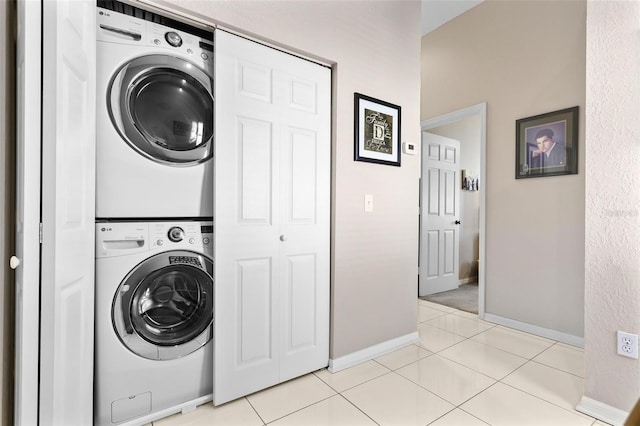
x=162, y=106
x=163, y=309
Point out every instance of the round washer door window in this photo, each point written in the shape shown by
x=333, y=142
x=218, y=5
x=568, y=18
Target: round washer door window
x=162, y=107
x=163, y=309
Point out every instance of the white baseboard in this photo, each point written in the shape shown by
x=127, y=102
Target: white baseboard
x=468, y=280
x=372, y=352
x=569, y=339
x=602, y=411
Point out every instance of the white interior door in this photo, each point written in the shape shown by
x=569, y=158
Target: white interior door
x=68, y=206
x=439, y=214
x=26, y=261
x=272, y=180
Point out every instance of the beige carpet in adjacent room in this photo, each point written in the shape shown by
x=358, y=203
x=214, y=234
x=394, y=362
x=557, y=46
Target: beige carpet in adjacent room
x=464, y=298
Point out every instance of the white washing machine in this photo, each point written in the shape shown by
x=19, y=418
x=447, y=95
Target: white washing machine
x=154, y=116
x=153, y=319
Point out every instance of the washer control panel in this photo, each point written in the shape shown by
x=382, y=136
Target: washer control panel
x=124, y=238
x=181, y=234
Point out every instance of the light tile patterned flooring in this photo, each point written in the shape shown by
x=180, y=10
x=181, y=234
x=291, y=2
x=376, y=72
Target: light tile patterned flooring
x=464, y=371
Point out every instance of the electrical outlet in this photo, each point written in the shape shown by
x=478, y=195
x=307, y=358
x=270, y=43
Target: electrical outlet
x=628, y=344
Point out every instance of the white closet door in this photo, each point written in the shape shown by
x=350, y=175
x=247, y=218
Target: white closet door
x=68, y=205
x=272, y=165
x=27, y=272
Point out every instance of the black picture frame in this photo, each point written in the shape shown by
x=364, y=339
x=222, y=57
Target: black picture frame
x=377, y=131
x=535, y=154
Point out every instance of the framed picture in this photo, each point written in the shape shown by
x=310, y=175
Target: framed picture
x=377, y=131
x=547, y=144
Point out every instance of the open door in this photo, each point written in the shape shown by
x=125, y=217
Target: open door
x=26, y=260
x=440, y=213
x=68, y=212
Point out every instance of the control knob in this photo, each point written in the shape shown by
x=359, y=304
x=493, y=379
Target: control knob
x=173, y=38
x=176, y=234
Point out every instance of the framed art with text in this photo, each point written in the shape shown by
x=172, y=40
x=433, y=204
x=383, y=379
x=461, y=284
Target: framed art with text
x=377, y=131
x=547, y=144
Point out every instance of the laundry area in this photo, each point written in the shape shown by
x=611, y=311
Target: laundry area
x=187, y=292
x=206, y=175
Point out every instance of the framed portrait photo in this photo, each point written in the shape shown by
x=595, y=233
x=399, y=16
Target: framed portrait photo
x=377, y=131
x=547, y=144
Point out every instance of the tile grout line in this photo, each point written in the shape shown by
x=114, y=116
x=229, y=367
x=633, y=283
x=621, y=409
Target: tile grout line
x=254, y=410
x=573, y=411
x=358, y=408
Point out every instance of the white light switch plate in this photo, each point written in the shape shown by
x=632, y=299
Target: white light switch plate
x=368, y=203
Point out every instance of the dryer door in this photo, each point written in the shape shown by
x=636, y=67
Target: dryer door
x=163, y=309
x=162, y=106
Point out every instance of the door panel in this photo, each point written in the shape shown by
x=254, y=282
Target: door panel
x=440, y=195
x=301, y=303
x=255, y=187
x=301, y=176
x=255, y=320
x=66, y=382
x=272, y=182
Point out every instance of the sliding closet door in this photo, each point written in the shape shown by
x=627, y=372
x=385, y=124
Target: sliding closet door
x=272, y=165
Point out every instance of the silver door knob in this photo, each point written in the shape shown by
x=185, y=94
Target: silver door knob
x=14, y=262
x=283, y=237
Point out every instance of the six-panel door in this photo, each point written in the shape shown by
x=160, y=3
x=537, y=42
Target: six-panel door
x=272, y=186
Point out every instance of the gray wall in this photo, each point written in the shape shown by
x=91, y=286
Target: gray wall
x=523, y=58
x=7, y=161
x=467, y=131
x=612, y=298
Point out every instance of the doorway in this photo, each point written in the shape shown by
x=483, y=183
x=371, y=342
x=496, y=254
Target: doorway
x=471, y=258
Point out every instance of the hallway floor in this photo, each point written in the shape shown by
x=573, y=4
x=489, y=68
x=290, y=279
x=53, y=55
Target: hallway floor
x=464, y=371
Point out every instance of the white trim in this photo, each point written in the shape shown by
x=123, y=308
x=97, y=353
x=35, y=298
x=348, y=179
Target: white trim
x=28, y=191
x=372, y=352
x=601, y=411
x=467, y=280
x=479, y=109
x=569, y=339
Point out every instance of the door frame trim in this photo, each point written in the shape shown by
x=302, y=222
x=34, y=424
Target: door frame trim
x=471, y=111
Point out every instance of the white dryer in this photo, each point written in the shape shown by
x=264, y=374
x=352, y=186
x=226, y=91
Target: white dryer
x=154, y=116
x=153, y=319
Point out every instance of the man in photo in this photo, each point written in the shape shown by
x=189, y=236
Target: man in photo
x=549, y=153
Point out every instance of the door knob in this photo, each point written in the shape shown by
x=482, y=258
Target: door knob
x=457, y=222
x=283, y=237
x=14, y=262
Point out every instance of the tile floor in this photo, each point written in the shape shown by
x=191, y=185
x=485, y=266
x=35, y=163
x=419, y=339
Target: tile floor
x=464, y=371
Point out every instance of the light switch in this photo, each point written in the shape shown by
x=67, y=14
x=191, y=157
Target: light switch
x=368, y=203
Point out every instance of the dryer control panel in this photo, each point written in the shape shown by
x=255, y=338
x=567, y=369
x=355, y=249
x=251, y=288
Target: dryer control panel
x=124, y=238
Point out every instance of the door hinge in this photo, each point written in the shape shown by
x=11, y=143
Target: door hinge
x=40, y=233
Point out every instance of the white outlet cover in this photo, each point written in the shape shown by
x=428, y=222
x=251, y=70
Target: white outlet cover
x=627, y=344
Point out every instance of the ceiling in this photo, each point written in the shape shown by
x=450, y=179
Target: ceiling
x=438, y=12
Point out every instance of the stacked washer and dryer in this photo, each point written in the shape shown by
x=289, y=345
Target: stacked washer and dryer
x=154, y=207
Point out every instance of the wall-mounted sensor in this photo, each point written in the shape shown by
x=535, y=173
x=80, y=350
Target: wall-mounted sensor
x=409, y=148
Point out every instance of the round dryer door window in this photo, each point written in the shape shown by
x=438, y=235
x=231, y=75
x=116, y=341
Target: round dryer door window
x=162, y=106
x=163, y=309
